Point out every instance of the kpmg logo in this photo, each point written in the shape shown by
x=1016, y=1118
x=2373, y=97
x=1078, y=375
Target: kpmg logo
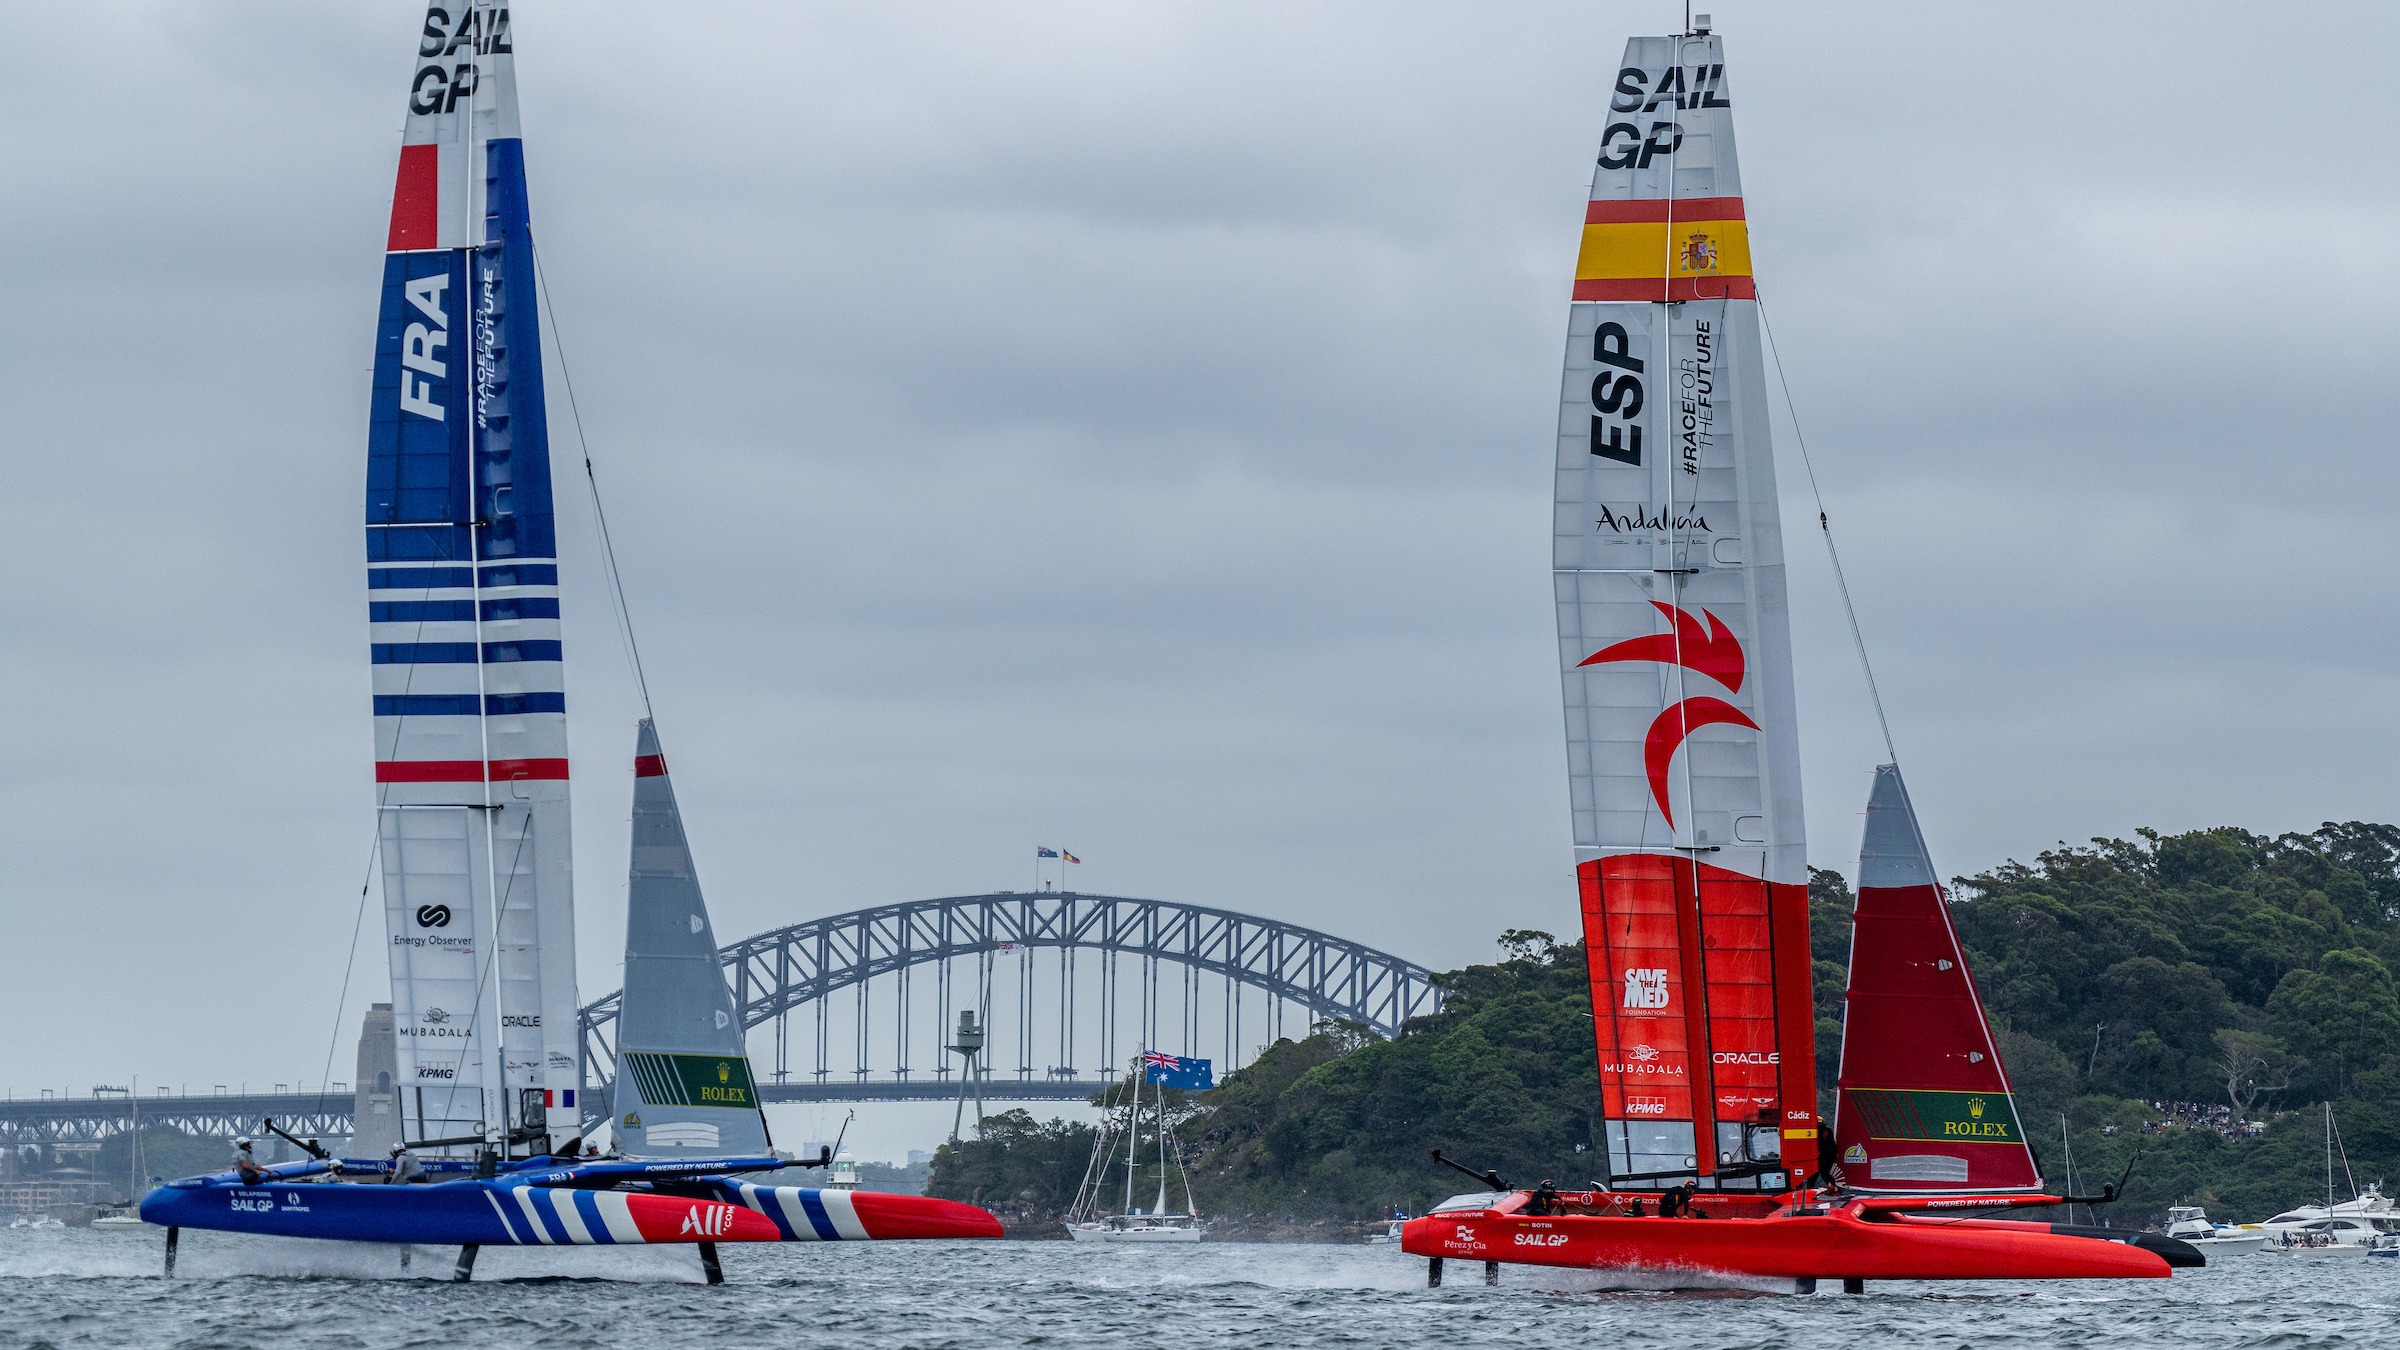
x=433, y=916
x=1645, y=988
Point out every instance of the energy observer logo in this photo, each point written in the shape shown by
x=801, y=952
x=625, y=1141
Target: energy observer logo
x=433, y=916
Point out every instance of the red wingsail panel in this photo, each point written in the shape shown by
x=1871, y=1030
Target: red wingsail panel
x=1925, y=1105
x=1740, y=1055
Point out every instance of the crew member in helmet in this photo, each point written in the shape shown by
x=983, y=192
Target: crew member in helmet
x=405, y=1167
x=246, y=1162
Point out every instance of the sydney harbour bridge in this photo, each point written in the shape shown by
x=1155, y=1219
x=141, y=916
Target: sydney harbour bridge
x=859, y=1007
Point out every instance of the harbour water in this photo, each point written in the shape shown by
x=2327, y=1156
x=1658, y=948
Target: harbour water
x=85, y=1288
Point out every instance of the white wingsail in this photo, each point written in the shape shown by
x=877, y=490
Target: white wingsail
x=1675, y=649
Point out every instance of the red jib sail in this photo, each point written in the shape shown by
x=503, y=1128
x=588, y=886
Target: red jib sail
x=1925, y=1104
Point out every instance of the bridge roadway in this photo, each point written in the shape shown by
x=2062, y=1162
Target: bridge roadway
x=327, y=1115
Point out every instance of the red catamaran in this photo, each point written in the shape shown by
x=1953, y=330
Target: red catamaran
x=1675, y=648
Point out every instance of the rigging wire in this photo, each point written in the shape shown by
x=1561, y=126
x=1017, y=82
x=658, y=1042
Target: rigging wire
x=608, y=548
x=357, y=920
x=1825, y=529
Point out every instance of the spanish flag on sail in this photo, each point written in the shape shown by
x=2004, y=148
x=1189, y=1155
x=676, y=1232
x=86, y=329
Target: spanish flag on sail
x=1691, y=248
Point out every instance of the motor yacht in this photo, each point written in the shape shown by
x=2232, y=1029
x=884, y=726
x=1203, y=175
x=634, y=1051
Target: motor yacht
x=2190, y=1223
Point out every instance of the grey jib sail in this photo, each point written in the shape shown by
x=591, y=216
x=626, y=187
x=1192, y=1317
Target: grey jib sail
x=683, y=1086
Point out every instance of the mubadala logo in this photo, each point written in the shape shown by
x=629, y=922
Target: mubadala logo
x=433, y=916
x=1645, y=987
x=435, y=1016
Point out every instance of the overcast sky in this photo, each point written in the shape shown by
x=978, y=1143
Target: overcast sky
x=1128, y=427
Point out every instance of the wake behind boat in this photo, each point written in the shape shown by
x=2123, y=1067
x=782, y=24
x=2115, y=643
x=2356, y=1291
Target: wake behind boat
x=473, y=810
x=1675, y=653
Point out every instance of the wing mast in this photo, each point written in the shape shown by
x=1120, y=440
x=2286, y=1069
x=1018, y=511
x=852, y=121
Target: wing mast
x=1675, y=651
x=463, y=601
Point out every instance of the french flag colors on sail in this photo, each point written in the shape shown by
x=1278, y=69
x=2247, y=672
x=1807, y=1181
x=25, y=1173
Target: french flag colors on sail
x=1925, y=1101
x=463, y=613
x=1675, y=651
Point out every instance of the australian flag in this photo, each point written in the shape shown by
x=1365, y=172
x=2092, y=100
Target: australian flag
x=1179, y=1071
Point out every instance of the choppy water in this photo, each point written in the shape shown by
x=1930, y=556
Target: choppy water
x=91, y=1288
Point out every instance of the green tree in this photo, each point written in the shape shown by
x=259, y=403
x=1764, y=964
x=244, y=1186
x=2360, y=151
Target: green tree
x=2344, y=1015
x=1024, y=1170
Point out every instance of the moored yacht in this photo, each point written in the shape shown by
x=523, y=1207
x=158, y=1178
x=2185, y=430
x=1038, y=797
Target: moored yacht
x=1157, y=1224
x=2189, y=1223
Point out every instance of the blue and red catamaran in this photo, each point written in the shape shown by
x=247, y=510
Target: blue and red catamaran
x=472, y=801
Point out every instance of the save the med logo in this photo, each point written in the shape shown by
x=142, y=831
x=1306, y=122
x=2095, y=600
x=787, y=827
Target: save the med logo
x=1645, y=987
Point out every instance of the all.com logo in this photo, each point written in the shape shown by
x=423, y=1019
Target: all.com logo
x=433, y=916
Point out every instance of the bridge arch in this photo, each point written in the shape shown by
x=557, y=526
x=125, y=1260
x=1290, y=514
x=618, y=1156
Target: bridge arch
x=801, y=967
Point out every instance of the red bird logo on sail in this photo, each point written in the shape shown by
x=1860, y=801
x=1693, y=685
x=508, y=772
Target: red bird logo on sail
x=1711, y=649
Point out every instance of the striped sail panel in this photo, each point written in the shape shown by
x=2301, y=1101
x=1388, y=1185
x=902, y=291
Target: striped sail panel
x=1675, y=648
x=469, y=693
x=683, y=1084
x=1925, y=1104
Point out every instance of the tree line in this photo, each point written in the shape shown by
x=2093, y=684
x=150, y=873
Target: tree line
x=2123, y=978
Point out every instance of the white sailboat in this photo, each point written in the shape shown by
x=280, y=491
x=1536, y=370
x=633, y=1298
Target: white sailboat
x=2366, y=1221
x=1087, y=1222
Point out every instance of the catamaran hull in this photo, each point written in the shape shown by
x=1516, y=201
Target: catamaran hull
x=483, y=1213
x=1835, y=1246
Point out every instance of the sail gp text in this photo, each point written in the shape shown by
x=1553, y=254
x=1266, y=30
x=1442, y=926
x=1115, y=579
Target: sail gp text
x=481, y=31
x=1628, y=145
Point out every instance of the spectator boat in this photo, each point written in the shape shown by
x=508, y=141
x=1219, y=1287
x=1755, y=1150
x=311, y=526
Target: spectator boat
x=1086, y=1220
x=2189, y=1224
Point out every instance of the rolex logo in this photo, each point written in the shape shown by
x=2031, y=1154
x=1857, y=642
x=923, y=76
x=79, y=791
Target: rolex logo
x=1975, y=1107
